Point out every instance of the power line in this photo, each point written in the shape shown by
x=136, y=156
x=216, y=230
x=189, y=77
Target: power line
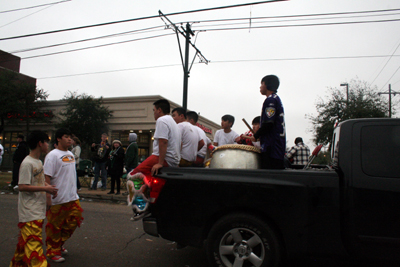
x=304, y=15
x=146, y=30
x=24, y=17
x=386, y=63
x=96, y=46
x=290, y=20
x=390, y=78
x=301, y=25
x=23, y=8
x=137, y=19
x=220, y=61
x=236, y=28
x=235, y=19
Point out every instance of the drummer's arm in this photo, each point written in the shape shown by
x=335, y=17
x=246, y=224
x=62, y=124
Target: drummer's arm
x=215, y=143
x=200, y=145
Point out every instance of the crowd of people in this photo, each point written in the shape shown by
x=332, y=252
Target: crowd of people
x=50, y=190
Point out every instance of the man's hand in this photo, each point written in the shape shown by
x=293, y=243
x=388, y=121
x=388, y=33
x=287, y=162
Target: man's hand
x=251, y=138
x=237, y=139
x=51, y=189
x=156, y=167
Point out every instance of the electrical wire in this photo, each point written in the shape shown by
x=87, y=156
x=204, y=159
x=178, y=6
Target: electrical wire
x=24, y=17
x=137, y=19
x=292, y=20
x=390, y=78
x=145, y=30
x=386, y=63
x=302, y=25
x=23, y=8
x=97, y=46
x=220, y=61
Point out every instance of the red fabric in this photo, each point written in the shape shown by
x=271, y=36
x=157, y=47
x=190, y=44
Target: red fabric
x=245, y=141
x=145, y=166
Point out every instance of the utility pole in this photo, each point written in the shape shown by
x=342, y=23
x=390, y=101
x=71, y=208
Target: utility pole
x=390, y=93
x=187, y=33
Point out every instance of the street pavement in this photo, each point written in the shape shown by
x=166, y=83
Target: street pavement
x=107, y=237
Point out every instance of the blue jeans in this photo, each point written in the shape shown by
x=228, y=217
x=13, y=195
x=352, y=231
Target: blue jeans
x=100, y=168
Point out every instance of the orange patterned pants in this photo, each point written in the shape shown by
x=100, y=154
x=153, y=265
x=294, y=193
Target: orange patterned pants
x=29, y=250
x=62, y=221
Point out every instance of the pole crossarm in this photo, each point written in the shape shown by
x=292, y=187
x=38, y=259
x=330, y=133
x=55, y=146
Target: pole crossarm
x=187, y=33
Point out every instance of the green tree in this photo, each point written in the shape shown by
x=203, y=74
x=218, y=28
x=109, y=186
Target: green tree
x=363, y=102
x=85, y=116
x=21, y=102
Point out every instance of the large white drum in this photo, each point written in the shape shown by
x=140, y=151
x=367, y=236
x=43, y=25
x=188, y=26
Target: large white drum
x=235, y=157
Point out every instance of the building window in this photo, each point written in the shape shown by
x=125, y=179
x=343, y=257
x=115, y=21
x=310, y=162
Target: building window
x=9, y=142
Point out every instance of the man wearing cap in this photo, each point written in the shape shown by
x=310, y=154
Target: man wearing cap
x=272, y=129
x=131, y=153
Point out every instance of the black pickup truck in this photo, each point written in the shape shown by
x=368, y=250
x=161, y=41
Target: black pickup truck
x=258, y=217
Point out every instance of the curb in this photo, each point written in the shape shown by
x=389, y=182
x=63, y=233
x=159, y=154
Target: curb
x=113, y=198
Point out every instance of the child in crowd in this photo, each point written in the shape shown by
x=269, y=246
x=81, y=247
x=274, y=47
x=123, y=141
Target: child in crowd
x=32, y=203
x=226, y=135
x=244, y=138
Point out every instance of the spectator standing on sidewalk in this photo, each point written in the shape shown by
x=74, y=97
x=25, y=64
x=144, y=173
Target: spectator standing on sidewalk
x=115, y=165
x=20, y=153
x=100, y=160
x=32, y=204
x=64, y=212
x=76, y=150
x=131, y=153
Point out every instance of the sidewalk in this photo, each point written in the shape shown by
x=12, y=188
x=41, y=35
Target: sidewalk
x=84, y=193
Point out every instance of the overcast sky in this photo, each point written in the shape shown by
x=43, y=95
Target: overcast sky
x=307, y=59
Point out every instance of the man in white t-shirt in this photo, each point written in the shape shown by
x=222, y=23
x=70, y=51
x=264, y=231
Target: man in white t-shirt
x=191, y=140
x=225, y=136
x=192, y=118
x=167, y=142
x=64, y=212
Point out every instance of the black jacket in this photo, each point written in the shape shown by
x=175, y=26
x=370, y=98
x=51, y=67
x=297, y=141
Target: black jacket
x=115, y=162
x=21, y=152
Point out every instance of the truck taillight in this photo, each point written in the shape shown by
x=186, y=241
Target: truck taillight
x=156, y=184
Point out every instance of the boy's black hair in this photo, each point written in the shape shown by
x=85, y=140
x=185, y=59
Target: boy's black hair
x=21, y=136
x=256, y=120
x=163, y=104
x=35, y=137
x=180, y=111
x=60, y=133
x=192, y=115
x=228, y=118
x=272, y=82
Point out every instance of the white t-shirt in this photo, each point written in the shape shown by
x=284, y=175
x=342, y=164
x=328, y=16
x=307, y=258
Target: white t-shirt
x=190, y=141
x=60, y=165
x=203, y=151
x=223, y=138
x=166, y=128
x=31, y=205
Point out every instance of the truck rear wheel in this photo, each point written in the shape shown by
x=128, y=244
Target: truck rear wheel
x=241, y=240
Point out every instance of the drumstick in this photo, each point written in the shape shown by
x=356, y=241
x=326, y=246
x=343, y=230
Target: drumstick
x=248, y=126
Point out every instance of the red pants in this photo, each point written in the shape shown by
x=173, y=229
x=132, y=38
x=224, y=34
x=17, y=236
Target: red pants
x=145, y=166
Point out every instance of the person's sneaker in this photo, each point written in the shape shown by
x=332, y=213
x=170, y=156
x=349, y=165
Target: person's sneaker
x=57, y=258
x=64, y=251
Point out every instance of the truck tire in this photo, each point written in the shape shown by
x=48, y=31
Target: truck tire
x=241, y=240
